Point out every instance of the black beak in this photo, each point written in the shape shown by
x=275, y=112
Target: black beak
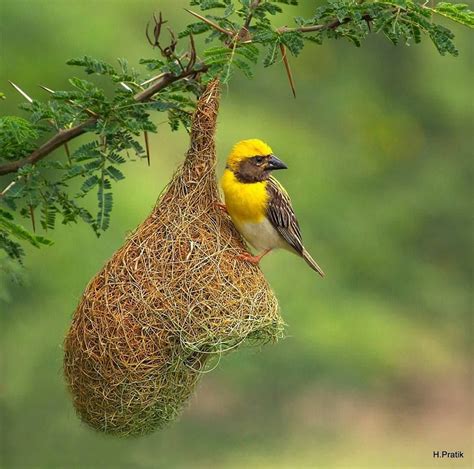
x=275, y=163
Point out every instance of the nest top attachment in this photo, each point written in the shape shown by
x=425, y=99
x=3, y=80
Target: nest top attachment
x=201, y=156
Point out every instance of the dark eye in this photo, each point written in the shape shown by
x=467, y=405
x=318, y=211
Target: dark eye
x=259, y=159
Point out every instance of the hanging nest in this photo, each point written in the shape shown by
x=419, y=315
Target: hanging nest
x=174, y=296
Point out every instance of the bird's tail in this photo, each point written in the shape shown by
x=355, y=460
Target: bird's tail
x=311, y=262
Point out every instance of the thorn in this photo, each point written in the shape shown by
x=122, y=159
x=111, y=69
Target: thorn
x=68, y=153
x=210, y=23
x=288, y=69
x=20, y=91
x=161, y=75
x=32, y=216
x=369, y=26
x=126, y=86
x=9, y=187
x=147, y=147
x=49, y=90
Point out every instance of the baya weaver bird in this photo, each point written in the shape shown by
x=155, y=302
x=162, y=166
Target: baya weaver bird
x=257, y=203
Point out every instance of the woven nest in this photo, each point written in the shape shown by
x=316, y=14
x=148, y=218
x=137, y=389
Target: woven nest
x=172, y=298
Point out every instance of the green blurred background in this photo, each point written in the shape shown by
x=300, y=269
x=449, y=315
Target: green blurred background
x=375, y=371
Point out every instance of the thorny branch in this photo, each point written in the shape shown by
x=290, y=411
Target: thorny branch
x=242, y=36
x=65, y=135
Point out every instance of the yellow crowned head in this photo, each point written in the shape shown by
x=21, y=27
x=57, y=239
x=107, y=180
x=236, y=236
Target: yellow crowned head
x=246, y=149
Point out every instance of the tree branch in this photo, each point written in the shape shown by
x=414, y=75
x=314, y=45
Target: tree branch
x=318, y=27
x=244, y=31
x=64, y=136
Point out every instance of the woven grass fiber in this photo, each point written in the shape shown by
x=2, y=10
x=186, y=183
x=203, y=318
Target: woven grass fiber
x=170, y=300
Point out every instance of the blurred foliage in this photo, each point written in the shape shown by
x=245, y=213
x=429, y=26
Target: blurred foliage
x=375, y=370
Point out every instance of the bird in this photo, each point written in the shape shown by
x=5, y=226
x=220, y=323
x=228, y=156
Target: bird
x=258, y=205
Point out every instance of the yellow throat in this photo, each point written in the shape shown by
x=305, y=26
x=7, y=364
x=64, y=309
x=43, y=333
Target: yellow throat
x=246, y=203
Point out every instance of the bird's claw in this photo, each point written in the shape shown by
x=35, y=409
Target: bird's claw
x=221, y=207
x=245, y=256
x=255, y=260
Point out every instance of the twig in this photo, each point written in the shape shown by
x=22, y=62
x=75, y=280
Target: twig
x=192, y=55
x=314, y=27
x=159, y=22
x=253, y=7
x=244, y=31
x=320, y=27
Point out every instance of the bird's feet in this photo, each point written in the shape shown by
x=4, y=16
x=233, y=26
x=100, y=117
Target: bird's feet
x=254, y=260
x=245, y=256
x=221, y=207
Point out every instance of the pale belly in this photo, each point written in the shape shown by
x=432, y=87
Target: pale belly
x=261, y=235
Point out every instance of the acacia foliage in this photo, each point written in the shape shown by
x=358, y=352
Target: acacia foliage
x=237, y=36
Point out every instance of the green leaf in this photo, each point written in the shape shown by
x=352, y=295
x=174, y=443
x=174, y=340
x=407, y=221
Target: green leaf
x=48, y=216
x=442, y=39
x=458, y=12
x=293, y=41
x=152, y=64
x=17, y=137
x=208, y=4
x=105, y=200
x=91, y=65
x=114, y=173
x=249, y=51
x=272, y=54
x=89, y=184
x=8, y=226
x=195, y=29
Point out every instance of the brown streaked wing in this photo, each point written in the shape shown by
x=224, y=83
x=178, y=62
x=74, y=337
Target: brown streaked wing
x=281, y=215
